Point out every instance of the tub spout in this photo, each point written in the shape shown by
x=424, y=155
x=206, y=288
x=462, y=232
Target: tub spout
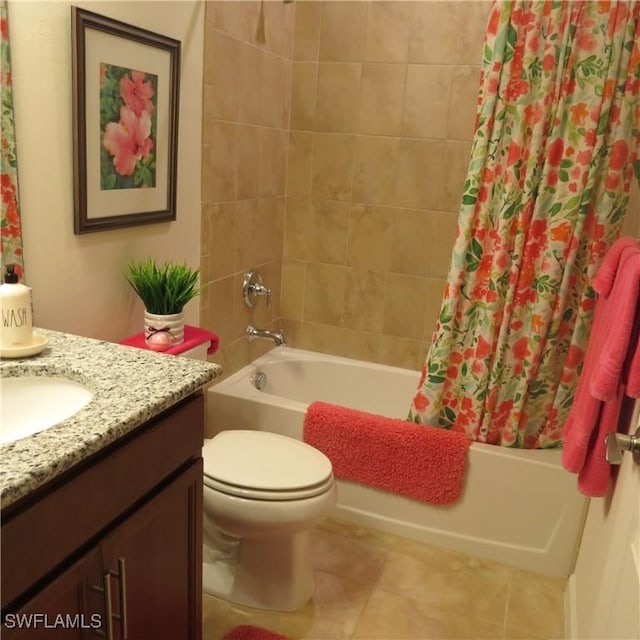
x=253, y=333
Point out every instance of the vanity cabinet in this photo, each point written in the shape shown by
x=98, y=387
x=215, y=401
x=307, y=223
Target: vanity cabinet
x=114, y=548
x=67, y=593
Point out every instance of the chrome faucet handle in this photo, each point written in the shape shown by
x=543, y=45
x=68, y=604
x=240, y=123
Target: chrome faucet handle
x=261, y=290
x=252, y=288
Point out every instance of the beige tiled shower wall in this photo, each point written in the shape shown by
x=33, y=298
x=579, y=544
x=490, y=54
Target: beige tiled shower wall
x=247, y=88
x=382, y=112
x=336, y=139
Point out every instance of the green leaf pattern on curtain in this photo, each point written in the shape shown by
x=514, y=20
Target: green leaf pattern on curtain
x=10, y=227
x=557, y=136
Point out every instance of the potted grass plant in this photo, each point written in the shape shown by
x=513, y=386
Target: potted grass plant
x=164, y=290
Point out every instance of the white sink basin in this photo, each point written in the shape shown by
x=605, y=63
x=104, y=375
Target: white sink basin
x=30, y=404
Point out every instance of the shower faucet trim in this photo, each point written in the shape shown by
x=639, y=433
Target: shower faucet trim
x=253, y=333
x=252, y=288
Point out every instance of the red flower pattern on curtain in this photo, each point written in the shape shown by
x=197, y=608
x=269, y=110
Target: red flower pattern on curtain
x=10, y=228
x=556, y=143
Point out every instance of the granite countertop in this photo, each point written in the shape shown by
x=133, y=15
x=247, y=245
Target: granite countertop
x=130, y=387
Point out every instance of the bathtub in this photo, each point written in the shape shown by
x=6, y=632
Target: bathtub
x=518, y=507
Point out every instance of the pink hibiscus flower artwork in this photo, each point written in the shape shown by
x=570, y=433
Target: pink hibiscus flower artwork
x=128, y=105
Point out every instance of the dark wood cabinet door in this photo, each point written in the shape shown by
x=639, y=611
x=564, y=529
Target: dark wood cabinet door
x=71, y=607
x=135, y=512
x=155, y=561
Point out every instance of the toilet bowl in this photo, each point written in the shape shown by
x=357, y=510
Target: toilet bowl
x=262, y=494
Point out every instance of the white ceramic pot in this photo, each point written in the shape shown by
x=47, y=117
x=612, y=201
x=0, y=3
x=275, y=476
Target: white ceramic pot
x=161, y=332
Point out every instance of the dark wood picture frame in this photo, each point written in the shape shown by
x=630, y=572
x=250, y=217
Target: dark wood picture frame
x=126, y=90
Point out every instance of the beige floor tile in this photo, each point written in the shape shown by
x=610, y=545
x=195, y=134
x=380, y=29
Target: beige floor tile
x=335, y=608
x=448, y=581
x=331, y=614
x=343, y=555
x=222, y=616
x=388, y=616
x=376, y=586
x=535, y=607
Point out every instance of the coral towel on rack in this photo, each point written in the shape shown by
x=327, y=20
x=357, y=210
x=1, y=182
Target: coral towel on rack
x=611, y=372
x=420, y=462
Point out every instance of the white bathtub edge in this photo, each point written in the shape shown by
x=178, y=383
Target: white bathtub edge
x=549, y=520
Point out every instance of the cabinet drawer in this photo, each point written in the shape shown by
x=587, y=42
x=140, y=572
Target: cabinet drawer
x=42, y=534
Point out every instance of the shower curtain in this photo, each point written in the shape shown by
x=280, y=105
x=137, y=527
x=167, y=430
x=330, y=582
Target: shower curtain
x=556, y=144
x=10, y=228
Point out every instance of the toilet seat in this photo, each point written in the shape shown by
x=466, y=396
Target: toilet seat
x=259, y=465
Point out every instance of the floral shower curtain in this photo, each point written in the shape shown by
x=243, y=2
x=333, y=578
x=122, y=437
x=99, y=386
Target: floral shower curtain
x=556, y=143
x=10, y=229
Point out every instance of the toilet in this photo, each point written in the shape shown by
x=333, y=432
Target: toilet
x=262, y=494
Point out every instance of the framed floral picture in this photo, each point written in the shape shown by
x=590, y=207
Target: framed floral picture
x=125, y=115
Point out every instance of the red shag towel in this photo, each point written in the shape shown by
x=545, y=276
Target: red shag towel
x=420, y=462
x=250, y=632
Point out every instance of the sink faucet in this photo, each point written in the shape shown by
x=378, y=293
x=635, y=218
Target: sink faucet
x=253, y=333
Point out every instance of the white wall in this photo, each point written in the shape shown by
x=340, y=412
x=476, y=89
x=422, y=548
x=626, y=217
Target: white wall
x=78, y=282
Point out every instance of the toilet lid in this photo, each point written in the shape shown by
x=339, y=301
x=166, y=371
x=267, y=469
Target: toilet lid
x=263, y=462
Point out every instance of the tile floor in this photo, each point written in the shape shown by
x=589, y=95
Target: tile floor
x=374, y=586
